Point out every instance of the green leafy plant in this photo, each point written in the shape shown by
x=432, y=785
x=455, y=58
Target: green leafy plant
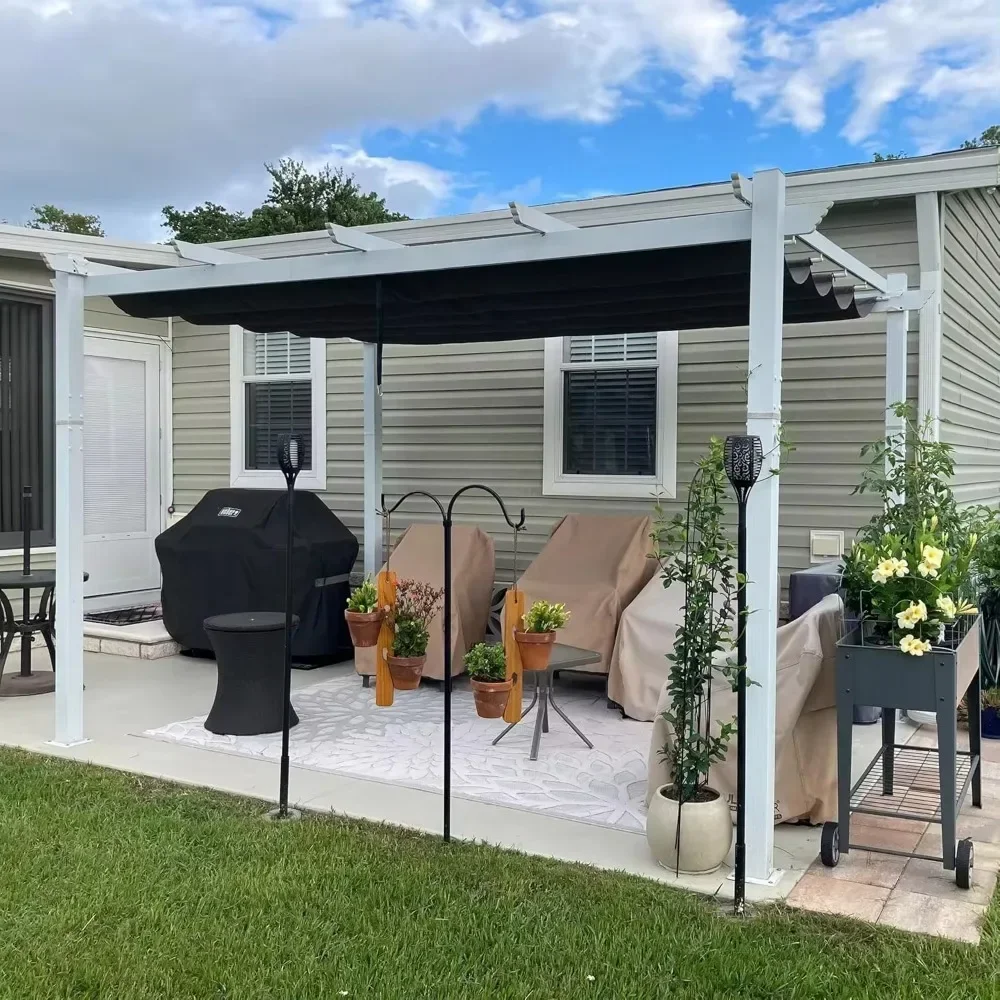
x=544, y=616
x=991, y=697
x=694, y=550
x=364, y=598
x=486, y=662
x=912, y=570
x=417, y=604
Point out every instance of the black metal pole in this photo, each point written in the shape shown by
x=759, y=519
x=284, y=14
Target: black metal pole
x=26, y=637
x=287, y=688
x=447, y=677
x=739, y=893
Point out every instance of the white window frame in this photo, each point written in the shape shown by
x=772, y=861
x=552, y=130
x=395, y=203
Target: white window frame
x=269, y=479
x=556, y=483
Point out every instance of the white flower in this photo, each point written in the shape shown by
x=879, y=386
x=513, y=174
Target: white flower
x=916, y=612
x=947, y=607
x=914, y=646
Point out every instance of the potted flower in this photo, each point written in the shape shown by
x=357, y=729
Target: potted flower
x=416, y=605
x=910, y=579
x=689, y=827
x=534, y=641
x=364, y=616
x=487, y=669
x=991, y=714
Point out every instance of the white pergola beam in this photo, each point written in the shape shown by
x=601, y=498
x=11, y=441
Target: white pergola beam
x=842, y=258
x=536, y=220
x=357, y=239
x=202, y=254
x=767, y=292
x=717, y=227
x=372, y=403
x=896, y=332
x=68, y=347
x=929, y=240
x=73, y=264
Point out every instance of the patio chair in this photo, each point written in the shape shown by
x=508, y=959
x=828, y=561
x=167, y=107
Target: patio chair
x=805, y=783
x=419, y=555
x=595, y=566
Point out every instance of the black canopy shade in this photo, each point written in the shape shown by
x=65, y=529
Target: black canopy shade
x=680, y=288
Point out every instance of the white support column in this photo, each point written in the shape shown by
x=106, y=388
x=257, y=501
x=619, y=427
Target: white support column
x=373, y=461
x=767, y=291
x=929, y=243
x=69, y=507
x=896, y=327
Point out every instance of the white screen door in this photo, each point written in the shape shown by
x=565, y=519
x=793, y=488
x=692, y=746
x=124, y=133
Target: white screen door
x=121, y=466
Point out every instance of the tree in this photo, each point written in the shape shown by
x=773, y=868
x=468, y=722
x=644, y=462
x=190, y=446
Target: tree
x=299, y=201
x=990, y=137
x=58, y=220
x=884, y=157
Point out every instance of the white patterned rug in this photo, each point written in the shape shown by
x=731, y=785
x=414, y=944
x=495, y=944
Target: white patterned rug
x=342, y=730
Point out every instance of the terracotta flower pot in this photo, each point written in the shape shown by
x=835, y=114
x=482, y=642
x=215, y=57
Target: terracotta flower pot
x=491, y=697
x=535, y=649
x=406, y=671
x=364, y=627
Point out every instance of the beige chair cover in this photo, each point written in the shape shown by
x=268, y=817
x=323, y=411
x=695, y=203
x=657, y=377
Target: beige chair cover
x=595, y=566
x=806, y=723
x=419, y=555
x=639, y=664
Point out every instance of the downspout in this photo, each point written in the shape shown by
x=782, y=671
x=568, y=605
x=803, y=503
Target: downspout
x=929, y=241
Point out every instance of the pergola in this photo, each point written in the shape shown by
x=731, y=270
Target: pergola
x=546, y=279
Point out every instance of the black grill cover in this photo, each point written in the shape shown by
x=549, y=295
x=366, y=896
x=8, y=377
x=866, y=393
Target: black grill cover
x=228, y=555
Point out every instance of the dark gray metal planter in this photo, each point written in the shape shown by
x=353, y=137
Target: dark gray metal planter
x=883, y=675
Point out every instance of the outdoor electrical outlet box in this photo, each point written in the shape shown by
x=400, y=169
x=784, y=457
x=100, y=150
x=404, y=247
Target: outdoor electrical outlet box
x=825, y=545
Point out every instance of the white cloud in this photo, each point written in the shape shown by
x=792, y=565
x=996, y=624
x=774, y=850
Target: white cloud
x=121, y=106
x=939, y=58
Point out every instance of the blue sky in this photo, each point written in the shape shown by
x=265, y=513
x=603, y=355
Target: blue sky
x=456, y=105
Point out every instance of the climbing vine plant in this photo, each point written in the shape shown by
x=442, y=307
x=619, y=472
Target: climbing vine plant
x=694, y=550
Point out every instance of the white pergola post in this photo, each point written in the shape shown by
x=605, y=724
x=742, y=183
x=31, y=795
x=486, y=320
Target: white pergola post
x=69, y=506
x=897, y=324
x=767, y=291
x=372, y=403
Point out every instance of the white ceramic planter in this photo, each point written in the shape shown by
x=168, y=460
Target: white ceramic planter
x=706, y=833
x=922, y=718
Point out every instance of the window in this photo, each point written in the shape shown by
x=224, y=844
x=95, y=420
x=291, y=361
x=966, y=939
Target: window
x=278, y=387
x=27, y=423
x=610, y=415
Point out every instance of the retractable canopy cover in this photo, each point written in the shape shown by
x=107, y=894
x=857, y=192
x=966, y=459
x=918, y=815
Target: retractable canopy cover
x=678, y=288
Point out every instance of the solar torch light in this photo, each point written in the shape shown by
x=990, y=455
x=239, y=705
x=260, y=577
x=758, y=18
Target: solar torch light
x=743, y=462
x=291, y=456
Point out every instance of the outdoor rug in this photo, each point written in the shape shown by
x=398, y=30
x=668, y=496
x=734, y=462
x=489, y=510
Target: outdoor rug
x=341, y=730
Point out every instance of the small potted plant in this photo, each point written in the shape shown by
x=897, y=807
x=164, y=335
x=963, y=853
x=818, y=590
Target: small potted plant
x=416, y=606
x=364, y=616
x=487, y=668
x=535, y=640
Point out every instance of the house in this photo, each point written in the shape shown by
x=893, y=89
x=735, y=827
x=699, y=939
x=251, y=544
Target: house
x=173, y=410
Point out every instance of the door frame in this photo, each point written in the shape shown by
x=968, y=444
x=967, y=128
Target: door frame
x=165, y=449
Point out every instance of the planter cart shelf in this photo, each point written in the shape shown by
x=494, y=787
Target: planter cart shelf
x=927, y=784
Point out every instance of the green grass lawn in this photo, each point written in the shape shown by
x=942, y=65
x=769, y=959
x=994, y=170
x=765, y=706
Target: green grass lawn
x=119, y=887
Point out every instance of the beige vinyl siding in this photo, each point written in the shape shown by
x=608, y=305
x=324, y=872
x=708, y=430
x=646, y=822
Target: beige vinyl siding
x=474, y=413
x=970, y=342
